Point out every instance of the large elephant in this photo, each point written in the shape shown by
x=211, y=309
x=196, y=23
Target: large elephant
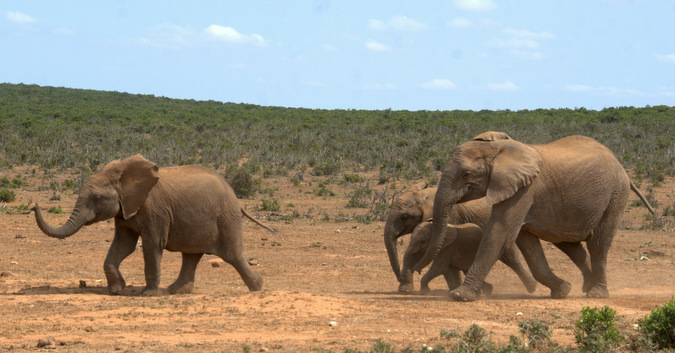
x=188, y=209
x=567, y=191
x=457, y=255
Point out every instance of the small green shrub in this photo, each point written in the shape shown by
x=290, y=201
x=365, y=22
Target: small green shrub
x=659, y=326
x=474, y=340
x=270, y=205
x=7, y=195
x=329, y=167
x=353, y=178
x=323, y=191
x=360, y=198
x=241, y=181
x=538, y=333
x=56, y=209
x=595, y=330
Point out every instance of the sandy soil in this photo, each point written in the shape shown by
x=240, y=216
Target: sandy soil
x=328, y=285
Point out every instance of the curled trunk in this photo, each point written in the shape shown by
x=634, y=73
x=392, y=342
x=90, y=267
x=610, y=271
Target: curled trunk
x=74, y=223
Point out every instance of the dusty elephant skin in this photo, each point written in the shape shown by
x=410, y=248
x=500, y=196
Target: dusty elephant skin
x=188, y=209
x=567, y=191
x=458, y=255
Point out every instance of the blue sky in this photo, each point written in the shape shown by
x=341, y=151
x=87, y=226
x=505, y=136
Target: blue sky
x=346, y=54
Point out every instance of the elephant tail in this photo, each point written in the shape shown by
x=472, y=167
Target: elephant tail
x=643, y=198
x=271, y=230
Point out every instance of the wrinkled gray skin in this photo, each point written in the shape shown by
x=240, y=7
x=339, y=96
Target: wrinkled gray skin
x=458, y=255
x=188, y=209
x=567, y=191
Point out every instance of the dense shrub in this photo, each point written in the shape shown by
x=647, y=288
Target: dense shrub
x=596, y=331
x=659, y=326
x=7, y=195
x=241, y=181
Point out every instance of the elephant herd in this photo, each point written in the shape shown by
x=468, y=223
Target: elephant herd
x=497, y=198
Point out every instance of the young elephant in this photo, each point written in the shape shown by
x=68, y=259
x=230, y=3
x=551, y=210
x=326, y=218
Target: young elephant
x=188, y=209
x=458, y=255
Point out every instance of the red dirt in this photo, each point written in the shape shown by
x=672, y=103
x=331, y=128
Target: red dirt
x=328, y=285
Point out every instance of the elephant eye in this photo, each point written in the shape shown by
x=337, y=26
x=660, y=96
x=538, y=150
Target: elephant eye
x=404, y=216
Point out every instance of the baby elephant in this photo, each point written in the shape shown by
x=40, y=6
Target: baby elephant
x=190, y=209
x=458, y=255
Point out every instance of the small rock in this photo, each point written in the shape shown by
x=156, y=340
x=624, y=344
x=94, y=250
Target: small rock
x=13, y=263
x=215, y=264
x=5, y=274
x=337, y=231
x=519, y=314
x=332, y=323
x=83, y=284
x=253, y=262
x=90, y=329
x=19, y=236
x=46, y=342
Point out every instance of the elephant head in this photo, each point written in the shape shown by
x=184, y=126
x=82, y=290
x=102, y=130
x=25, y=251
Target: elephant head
x=493, y=166
x=118, y=190
x=407, y=211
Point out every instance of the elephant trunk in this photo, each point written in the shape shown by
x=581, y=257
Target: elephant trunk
x=390, y=237
x=74, y=223
x=442, y=206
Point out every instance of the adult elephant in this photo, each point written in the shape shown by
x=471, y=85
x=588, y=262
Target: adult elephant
x=567, y=191
x=188, y=209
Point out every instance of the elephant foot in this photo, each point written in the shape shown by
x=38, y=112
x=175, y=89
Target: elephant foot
x=424, y=290
x=587, y=285
x=463, y=294
x=562, y=291
x=531, y=286
x=406, y=287
x=155, y=292
x=116, y=288
x=486, y=289
x=598, y=292
x=254, y=285
x=177, y=288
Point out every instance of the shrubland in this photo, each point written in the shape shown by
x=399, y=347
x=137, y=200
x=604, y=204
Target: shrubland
x=60, y=128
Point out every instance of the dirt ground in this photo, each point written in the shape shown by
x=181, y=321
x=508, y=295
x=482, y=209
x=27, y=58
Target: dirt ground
x=328, y=285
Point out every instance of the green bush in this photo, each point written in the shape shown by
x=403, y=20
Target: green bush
x=659, y=326
x=596, y=332
x=360, y=197
x=7, y=195
x=241, y=181
x=270, y=205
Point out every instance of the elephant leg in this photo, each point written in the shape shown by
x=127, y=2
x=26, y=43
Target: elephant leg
x=152, y=256
x=533, y=253
x=186, y=279
x=406, y=283
x=440, y=266
x=123, y=244
x=486, y=289
x=501, y=233
x=453, y=278
x=511, y=258
x=578, y=255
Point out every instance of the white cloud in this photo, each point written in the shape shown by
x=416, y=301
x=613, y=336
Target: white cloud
x=231, y=35
x=507, y=86
x=376, y=46
x=397, y=23
x=666, y=57
x=439, y=84
x=19, y=17
x=475, y=5
x=516, y=43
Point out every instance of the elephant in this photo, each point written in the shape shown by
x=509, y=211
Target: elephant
x=566, y=192
x=458, y=255
x=190, y=209
x=414, y=206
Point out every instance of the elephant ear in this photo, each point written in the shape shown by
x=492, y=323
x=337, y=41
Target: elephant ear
x=138, y=176
x=492, y=136
x=419, y=186
x=515, y=166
